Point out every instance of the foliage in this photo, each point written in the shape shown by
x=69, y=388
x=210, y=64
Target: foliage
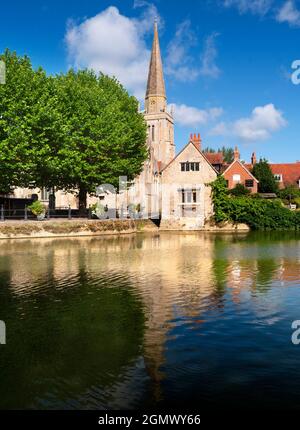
x=37, y=208
x=263, y=173
x=239, y=190
x=228, y=153
x=20, y=98
x=102, y=134
x=289, y=192
x=259, y=214
x=74, y=131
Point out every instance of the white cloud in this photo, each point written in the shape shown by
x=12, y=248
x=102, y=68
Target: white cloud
x=257, y=7
x=263, y=121
x=178, y=62
x=289, y=13
x=113, y=44
x=208, y=59
x=192, y=116
x=181, y=65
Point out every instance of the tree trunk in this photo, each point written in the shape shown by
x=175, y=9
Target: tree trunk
x=82, y=201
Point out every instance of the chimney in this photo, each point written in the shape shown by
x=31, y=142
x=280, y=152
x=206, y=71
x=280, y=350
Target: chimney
x=253, y=159
x=196, y=139
x=236, y=154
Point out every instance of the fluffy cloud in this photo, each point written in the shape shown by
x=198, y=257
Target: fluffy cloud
x=192, y=116
x=263, y=121
x=289, y=13
x=113, y=44
x=257, y=7
x=208, y=59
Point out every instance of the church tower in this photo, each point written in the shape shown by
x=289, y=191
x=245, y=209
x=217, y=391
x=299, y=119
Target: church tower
x=160, y=122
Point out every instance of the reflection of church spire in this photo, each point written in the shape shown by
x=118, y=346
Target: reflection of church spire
x=156, y=83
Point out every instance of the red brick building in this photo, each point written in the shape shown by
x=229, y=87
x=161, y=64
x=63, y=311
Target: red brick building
x=238, y=173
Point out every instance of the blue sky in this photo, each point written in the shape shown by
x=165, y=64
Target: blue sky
x=227, y=62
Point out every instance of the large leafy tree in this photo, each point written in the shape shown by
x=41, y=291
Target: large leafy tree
x=20, y=98
x=263, y=172
x=101, y=133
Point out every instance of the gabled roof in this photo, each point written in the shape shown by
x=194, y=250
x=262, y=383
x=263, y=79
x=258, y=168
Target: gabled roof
x=183, y=149
x=243, y=166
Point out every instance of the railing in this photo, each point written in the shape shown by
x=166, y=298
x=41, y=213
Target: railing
x=66, y=213
x=26, y=214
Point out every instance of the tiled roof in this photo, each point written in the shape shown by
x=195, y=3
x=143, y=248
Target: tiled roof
x=290, y=172
x=214, y=157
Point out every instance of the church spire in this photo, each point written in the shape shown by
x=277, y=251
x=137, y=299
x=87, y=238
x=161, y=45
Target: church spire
x=156, y=84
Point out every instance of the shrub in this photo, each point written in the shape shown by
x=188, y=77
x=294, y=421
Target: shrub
x=37, y=208
x=239, y=190
x=289, y=193
x=259, y=214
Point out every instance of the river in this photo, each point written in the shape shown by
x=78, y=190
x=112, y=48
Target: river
x=150, y=320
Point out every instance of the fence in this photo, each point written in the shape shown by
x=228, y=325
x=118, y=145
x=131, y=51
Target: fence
x=26, y=214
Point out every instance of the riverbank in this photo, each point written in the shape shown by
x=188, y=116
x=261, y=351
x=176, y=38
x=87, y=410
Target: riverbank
x=83, y=227
x=72, y=228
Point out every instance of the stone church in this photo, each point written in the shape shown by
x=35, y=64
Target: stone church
x=174, y=186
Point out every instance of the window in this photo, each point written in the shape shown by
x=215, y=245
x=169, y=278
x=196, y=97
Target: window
x=153, y=133
x=278, y=177
x=249, y=183
x=45, y=194
x=236, y=178
x=189, y=196
x=193, y=167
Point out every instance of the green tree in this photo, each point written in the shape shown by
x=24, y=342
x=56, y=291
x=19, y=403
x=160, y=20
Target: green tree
x=102, y=135
x=20, y=97
x=263, y=173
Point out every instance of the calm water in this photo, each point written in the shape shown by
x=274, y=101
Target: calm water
x=154, y=320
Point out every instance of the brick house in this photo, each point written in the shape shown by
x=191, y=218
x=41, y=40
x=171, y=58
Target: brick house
x=239, y=173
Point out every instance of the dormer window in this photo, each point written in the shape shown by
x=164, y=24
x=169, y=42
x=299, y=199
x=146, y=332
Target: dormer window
x=278, y=177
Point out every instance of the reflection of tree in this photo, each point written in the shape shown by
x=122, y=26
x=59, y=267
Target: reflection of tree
x=220, y=267
x=266, y=270
x=67, y=342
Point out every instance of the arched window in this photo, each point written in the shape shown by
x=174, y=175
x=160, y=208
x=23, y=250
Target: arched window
x=153, y=132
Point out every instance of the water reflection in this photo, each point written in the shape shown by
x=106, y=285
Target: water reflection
x=148, y=320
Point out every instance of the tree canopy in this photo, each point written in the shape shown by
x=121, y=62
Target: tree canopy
x=71, y=131
x=263, y=172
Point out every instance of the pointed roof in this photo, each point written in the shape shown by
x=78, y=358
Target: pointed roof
x=183, y=149
x=156, y=83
